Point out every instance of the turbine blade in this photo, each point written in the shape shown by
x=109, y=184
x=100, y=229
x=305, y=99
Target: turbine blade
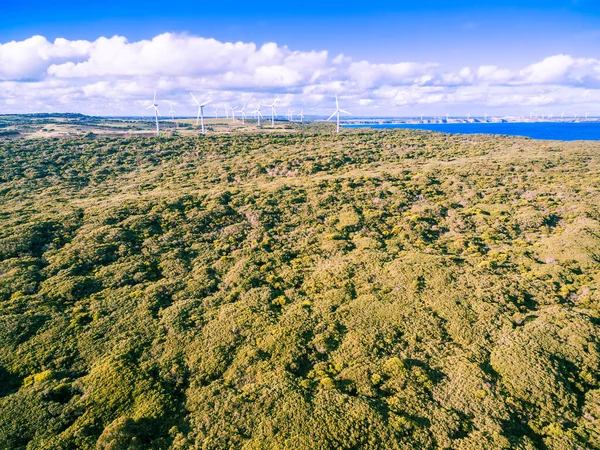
x=206, y=103
x=337, y=105
x=345, y=112
x=195, y=99
x=154, y=96
x=331, y=116
x=151, y=106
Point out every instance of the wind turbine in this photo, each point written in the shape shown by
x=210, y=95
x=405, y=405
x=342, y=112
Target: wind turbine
x=233, y=110
x=200, y=115
x=258, y=114
x=243, y=112
x=156, y=113
x=172, y=112
x=301, y=116
x=273, y=112
x=227, y=111
x=216, y=113
x=290, y=115
x=337, y=113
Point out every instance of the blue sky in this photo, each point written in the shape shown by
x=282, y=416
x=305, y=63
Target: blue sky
x=474, y=31
x=509, y=35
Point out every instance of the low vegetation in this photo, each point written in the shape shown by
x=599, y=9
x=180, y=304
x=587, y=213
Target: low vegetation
x=378, y=289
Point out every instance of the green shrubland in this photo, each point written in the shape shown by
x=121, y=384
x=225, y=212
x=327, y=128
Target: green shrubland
x=376, y=289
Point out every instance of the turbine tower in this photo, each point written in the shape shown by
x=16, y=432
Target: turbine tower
x=258, y=114
x=337, y=113
x=273, y=112
x=200, y=116
x=156, y=113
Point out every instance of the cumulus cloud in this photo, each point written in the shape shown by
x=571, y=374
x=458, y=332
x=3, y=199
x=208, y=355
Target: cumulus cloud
x=178, y=55
x=114, y=75
x=370, y=75
x=30, y=58
x=565, y=70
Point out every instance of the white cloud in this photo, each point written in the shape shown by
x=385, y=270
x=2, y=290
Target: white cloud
x=115, y=76
x=371, y=75
x=30, y=58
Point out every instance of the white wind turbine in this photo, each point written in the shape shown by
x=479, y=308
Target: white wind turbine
x=227, y=108
x=172, y=112
x=258, y=114
x=273, y=112
x=156, y=113
x=290, y=115
x=243, y=113
x=233, y=110
x=301, y=116
x=337, y=113
x=200, y=116
x=216, y=113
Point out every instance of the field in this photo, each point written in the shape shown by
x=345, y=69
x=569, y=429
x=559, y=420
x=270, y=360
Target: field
x=378, y=289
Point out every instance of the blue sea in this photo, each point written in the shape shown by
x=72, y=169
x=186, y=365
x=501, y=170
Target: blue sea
x=540, y=130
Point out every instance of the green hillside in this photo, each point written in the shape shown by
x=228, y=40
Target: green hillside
x=375, y=290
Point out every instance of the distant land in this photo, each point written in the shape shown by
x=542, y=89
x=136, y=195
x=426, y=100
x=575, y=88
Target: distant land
x=55, y=125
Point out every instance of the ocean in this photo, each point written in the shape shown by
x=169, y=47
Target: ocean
x=589, y=131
